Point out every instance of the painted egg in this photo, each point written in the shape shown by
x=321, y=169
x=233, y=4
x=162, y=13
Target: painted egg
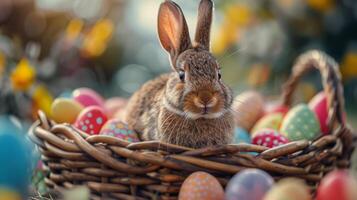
x=119, y=129
x=272, y=121
x=201, y=186
x=65, y=110
x=300, y=123
x=269, y=138
x=7, y=194
x=88, y=97
x=248, y=107
x=289, y=189
x=249, y=184
x=15, y=156
x=91, y=120
x=241, y=136
x=114, y=105
x=276, y=108
x=339, y=185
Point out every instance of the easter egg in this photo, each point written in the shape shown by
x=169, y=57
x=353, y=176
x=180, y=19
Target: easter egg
x=7, y=194
x=91, y=120
x=269, y=138
x=10, y=123
x=272, y=121
x=276, y=108
x=88, y=97
x=249, y=184
x=339, y=185
x=241, y=136
x=300, y=123
x=15, y=159
x=114, y=105
x=201, y=186
x=248, y=107
x=65, y=110
x=289, y=189
x=119, y=129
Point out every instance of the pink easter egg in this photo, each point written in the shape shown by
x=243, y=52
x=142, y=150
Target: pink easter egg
x=113, y=105
x=91, y=120
x=269, y=138
x=318, y=104
x=88, y=97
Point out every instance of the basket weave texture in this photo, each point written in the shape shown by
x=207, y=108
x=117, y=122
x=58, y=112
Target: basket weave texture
x=117, y=169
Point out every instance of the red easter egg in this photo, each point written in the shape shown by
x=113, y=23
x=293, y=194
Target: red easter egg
x=338, y=184
x=88, y=97
x=91, y=120
x=269, y=138
x=318, y=104
x=276, y=108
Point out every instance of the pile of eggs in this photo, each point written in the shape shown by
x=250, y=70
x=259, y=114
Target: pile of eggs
x=86, y=110
x=255, y=184
x=275, y=125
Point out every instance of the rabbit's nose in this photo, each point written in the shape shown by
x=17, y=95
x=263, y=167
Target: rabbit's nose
x=205, y=101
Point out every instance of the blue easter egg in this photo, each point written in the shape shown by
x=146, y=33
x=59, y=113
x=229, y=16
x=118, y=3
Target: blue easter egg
x=241, y=136
x=15, y=156
x=249, y=184
x=10, y=124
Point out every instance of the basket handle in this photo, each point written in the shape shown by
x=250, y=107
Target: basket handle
x=331, y=81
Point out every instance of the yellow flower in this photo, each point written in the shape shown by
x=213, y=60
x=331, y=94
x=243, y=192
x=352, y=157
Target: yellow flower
x=2, y=64
x=22, y=77
x=95, y=42
x=321, y=5
x=74, y=29
x=348, y=65
x=42, y=99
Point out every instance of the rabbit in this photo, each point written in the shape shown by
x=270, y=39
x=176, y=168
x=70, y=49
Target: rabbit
x=190, y=106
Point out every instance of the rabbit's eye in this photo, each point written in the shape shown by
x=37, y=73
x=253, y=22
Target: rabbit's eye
x=219, y=76
x=182, y=75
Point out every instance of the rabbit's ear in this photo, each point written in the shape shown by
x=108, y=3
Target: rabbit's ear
x=173, y=30
x=204, y=22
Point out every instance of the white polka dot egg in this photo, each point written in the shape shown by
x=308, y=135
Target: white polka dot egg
x=117, y=128
x=91, y=120
x=269, y=138
x=300, y=123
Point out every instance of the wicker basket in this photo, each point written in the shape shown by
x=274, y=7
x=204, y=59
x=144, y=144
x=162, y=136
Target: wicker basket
x=113, y=168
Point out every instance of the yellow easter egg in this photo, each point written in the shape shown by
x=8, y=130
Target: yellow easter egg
x=248, y=108
x=65, y=110
x=289, y=189
x=272, y=121
x=6, y=194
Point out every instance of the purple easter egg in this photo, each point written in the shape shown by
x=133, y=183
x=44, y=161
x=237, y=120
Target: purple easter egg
x=249, y=184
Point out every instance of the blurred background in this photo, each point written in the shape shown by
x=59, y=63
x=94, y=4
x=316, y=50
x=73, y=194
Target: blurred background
x=50, y=47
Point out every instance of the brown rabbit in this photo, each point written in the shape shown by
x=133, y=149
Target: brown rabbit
x=190, y=106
